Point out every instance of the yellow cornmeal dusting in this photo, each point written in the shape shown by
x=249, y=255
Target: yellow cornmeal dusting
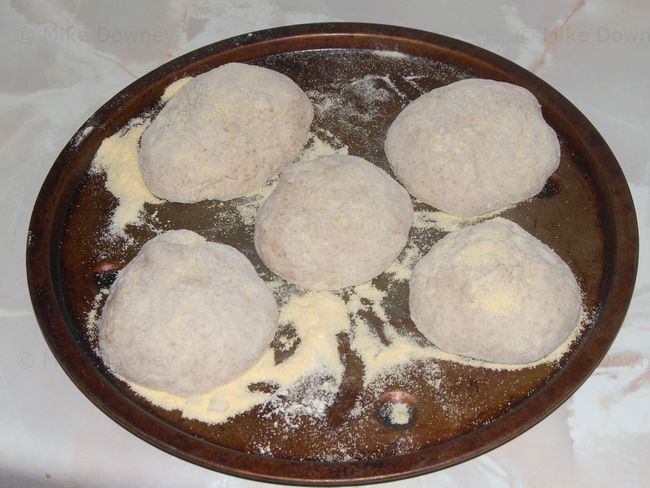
x=172, y=89
x=482, y=252
x=502, y=299
x=117, y=157
x=373, y=298
x=317, y=147
x=493, y=291
x=317, y=319
x=378, y=359
x=402, y=267
x=444, y=222
x=250, y=204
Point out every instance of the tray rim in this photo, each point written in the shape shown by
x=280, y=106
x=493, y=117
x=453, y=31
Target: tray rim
x=49, y=307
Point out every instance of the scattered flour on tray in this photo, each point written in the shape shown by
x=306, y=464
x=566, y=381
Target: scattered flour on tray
x=322, y=143
x=173, y=88
x=444, y=222
x=94, y=314
x=390, y=54
x=117, y=158
x=81, y=135
x=402, y=267
x=360, y=99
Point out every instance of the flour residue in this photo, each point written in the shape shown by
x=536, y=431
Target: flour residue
x=94, y=314
x=445, y=222
x=322, y=143
x=248, y=205
x=117, y=158
x=402, y=267
x=390, y=54
x=172, y=89
x=359, y=99
x=81, y=135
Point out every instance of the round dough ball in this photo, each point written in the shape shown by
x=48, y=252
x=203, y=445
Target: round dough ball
x=333, y=222
x=472, y=147
x=186, y=315
x=494, y=292
x=224, y=134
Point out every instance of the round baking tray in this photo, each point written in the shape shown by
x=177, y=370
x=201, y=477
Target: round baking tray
x=585, y=213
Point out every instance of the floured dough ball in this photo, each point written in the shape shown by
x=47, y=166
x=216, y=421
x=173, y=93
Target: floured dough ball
x=472, y=147
x=333, y=222
x=224, y=134
x=494, y=292
x=186, y=315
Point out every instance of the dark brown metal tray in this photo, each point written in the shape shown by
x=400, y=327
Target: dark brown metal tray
x=585, y=213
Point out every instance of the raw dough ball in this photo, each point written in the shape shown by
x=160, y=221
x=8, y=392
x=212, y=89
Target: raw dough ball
x=333, y=222
x=472, y=147
x=494, y=292
x=186, y=315
x=224, y=134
